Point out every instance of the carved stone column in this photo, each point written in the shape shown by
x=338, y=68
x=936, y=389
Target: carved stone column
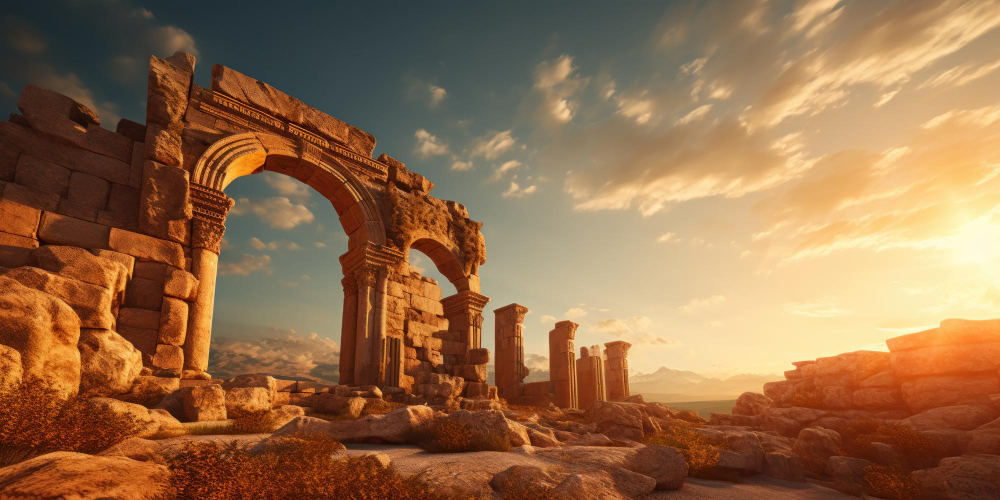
x=590, y=377
x=210, y=207
x=616, y=370
x=562, y=364
x=510, y=369
x=349, y=330
x=368, y=266
x=464, y=311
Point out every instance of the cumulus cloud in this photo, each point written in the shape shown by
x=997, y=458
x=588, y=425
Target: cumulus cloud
x=22, y=36
x=429, y=145
x=246, y=265
x=282, y=353
x=257, y=244
x=437, y=94
x=667, y=238
x=319, y=244
x=538, y=367
x=696, y=304
x=71, y=85
x=516, y=191
x=505, y=167
x=574, y=313
x=287, y=186
x=547, y=318
x=494, y=144
x=461, y=166
x=278, y=212
x=170, y=39
x=558, y=85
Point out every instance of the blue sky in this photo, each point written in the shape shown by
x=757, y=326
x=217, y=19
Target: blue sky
x=730, y=187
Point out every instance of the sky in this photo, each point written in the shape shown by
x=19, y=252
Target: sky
x=729, y=186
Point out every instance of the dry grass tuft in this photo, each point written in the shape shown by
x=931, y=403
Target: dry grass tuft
x=891, y=483
x=808, y=398
x=379, y=407
x=700, y=451
x=35, y=421
x=447, y=435
x=917, y=450
x=304, y=467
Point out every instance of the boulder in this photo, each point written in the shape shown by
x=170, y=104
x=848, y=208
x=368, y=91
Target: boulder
x=665, y=465
x=203, y=403
x=150, y=422
x=816, y=445
x=80, y=264
x=350, y=407
x=284, y=414
x=243, y=401
x=837, y=397
x=965, y=477
x=848, y=474
x=483, y=424
x=859, y=365
x=751, y=403
x=397, y=426
x=10, y=368
x=877, y=397
x=44, y=331
x=985, y=441
x=149, y=389
x=784, y=465
x=64, y=474
x=253, y=380
x=542, y=439
x=961, y=417
x=92, y=303
x=616, y=420
x=109, y=363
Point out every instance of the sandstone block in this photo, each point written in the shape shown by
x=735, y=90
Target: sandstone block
x=881, y=379
x=960, y=417
x=946, y=359
x=44, y=148
x=243, y=401
x=143, y=293
x=146, y=247
x=971, y=476
x=92, y=303
x=89, y=191
x=951, y=332
x=338, y=405
x=70, y=209
x=79, y=264
x=18, y=219
x=42, y=175
x=31, y=197
x=479, y=356
x=110, y=364
x=837, y=397
x=751, y=403
x=861, y=364
x=15, y=251
x=165, y=207
x=878, y=397
x=66, y=474
x=144, y=339
x=62, y=230
x=180, y=284
x=131, y=129
x=125, y=260
x=169, y=85
x=204, y=403
x=425, y=304
x=472, y=373
x=163, y=145
x=44, y=331
x=168, y=357
x=269, y=383
x=173, y=321
x=155, y=271
x=943, y=390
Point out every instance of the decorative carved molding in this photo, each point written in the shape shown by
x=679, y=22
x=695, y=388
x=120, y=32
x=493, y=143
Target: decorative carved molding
x=464, y=302
x=378, y=256
x=209, y=208
x=251, y=118
x=365, y=275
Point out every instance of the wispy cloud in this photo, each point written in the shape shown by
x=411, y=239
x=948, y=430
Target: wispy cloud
x=246, y=265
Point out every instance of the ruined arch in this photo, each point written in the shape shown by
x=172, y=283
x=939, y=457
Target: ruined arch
x=247, y=153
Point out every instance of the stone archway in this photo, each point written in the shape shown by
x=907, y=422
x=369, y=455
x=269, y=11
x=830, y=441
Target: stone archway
x=367, y=265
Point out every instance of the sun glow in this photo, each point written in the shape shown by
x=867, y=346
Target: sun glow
x=979, y=241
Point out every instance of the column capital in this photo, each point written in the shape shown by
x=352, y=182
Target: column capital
x=209, y=209
x=370, y=254
x=617, y=349
x=511, y=313
x=462, y=302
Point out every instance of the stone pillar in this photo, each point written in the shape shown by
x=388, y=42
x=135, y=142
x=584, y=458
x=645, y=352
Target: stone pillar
x=210, y=207
x=368, y=267
x=348, y=330
x=393, y=361
x=510, y=369
x=616, y=370
x=464, y=311
x=562, y=364
x=590, y=376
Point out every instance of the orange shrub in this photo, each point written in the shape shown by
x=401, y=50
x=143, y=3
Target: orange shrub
x=379, y=407
x=891, y=483
x=809, y=398
x=304, y=467
x=446, y=435
x=917, y=450
x=35, y=421
x=700, y=451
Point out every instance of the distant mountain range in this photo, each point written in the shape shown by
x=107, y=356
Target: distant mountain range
x=666, y=385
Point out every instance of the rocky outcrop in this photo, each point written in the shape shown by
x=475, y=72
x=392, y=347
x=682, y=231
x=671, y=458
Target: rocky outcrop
x=966, y=477
x=396, y=426
x=66, y=474
x=44, y=331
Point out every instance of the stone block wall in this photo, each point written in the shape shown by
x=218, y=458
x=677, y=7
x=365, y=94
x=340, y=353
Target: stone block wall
x=67, y=184
x=414, y=313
